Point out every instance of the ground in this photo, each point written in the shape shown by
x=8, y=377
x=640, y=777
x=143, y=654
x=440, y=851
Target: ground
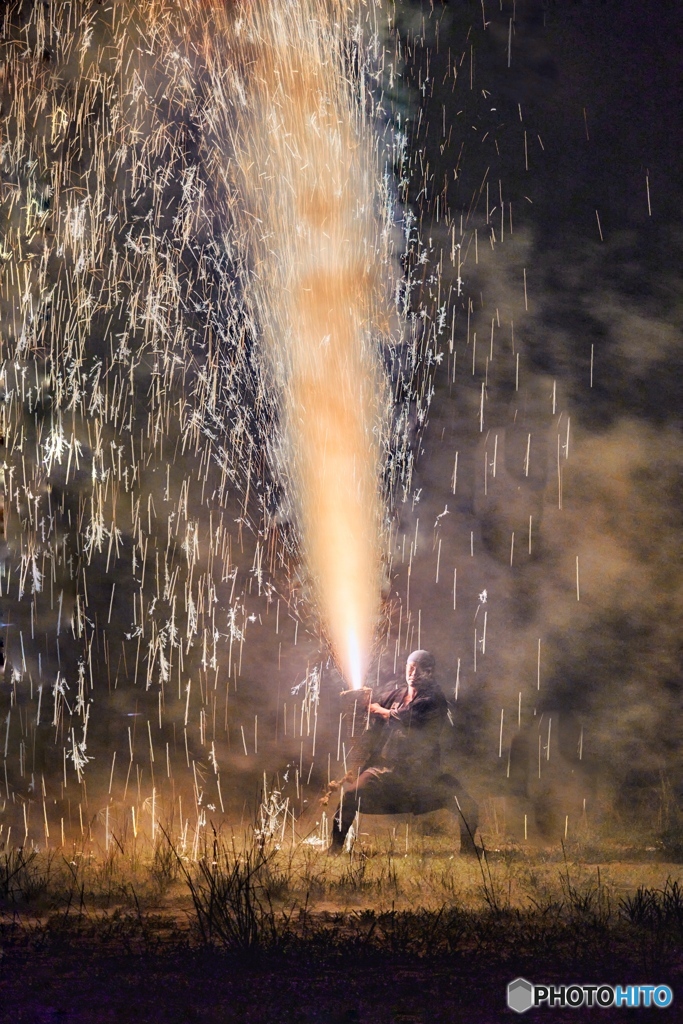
x=379, y=935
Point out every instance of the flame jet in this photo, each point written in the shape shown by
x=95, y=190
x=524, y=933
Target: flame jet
x=304, y=158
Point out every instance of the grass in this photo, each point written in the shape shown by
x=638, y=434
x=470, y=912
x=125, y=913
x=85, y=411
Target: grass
x=247, y=897
x=254, y=932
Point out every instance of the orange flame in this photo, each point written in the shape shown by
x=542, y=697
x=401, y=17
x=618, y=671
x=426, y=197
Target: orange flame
x=320, y=289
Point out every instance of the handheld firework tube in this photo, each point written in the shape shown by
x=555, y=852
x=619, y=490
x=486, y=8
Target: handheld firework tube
x=355, y=720
x=355, y=706
x=356, y=700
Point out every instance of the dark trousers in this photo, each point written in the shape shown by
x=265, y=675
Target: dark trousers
x=382, y=791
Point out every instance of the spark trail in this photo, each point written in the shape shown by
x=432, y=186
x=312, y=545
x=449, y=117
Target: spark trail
x=306, y=163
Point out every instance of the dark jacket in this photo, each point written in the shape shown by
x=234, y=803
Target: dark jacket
x=408, y=741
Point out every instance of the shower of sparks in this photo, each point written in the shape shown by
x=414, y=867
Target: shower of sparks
x=200, y=309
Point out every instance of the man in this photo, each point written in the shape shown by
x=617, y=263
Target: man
x=401, y=772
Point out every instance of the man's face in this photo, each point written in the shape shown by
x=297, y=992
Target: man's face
x=416, y=675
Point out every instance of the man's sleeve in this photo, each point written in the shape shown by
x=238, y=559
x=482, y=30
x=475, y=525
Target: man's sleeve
x=422, y=711
x=387, y=696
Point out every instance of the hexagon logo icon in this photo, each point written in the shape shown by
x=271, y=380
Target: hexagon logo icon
x=520, y=995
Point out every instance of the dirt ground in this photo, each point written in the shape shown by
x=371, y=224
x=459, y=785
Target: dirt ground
x=81, y=987
x=431, y=939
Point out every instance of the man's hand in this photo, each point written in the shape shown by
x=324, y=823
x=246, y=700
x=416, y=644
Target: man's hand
x=377, y=709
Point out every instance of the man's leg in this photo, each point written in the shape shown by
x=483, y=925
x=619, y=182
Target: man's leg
x=454, y=796
x=376, y=791
x=344, y=815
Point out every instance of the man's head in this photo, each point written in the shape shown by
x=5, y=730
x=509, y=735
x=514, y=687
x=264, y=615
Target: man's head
x=420, y=668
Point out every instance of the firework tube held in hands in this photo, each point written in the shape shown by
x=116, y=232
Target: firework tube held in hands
x=356, y=701
x=396, y=764
x=355, y=704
